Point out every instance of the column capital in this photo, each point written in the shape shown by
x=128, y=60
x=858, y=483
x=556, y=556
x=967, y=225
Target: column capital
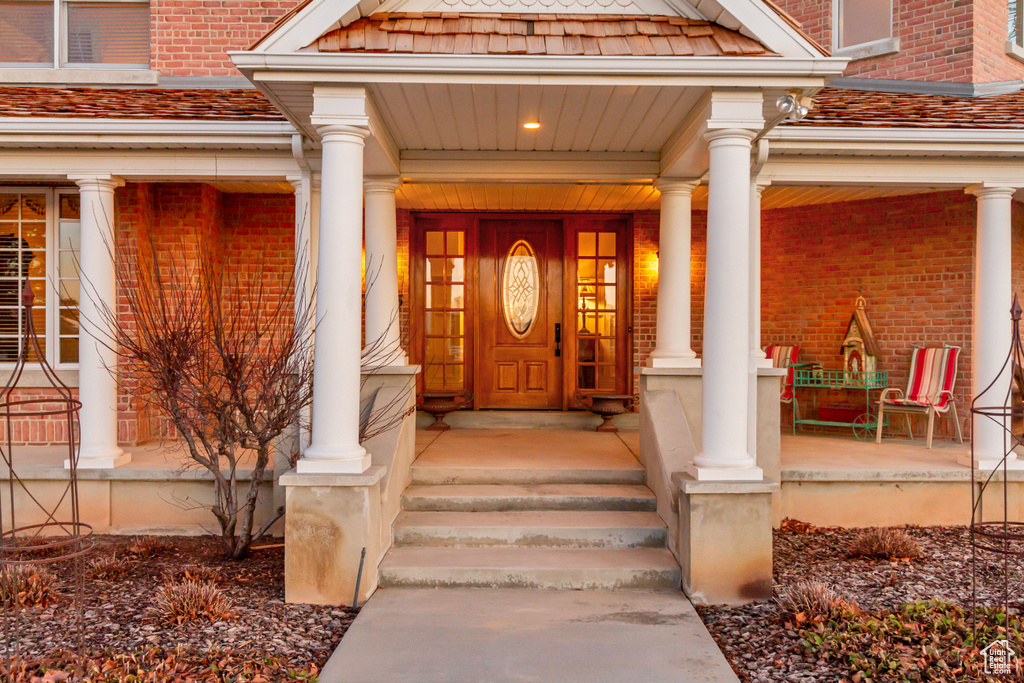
x=96, y=181
x=760, y=185
x=991, y=190
x=676, y=186
x=381, y=183
x=295, y=181
x=334, y=132
x=723, y=136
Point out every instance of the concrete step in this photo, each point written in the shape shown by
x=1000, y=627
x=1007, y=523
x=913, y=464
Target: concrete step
x=527, y=419
x=549, y=568
x=547, y=528
x=505, y=497
x=446, y=474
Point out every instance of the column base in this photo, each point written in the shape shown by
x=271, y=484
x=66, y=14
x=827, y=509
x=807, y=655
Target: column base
x=672, y=362
x=114, y=459
x=989, y=464
x=725, y=541
x=763, y=363
x=349, y=465
x=725, y=473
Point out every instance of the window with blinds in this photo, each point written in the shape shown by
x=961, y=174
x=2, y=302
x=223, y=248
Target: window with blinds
x=107, y=34
x=26, y=32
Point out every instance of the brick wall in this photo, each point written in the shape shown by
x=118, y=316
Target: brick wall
x=910, y=257
x=991, y=63
x=940, y=40
x=248, y=233
x=192, y=37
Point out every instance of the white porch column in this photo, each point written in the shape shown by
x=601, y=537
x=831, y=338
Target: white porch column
x=672, y=340
x=993, y=296
x=97, y=387
x=334, y=446
x=383, y=333
x=724, y=455
x=758, y=359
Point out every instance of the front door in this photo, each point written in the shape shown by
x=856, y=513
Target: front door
x=519, y=364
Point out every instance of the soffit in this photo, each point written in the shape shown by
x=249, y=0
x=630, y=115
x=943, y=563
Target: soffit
x=591, y=197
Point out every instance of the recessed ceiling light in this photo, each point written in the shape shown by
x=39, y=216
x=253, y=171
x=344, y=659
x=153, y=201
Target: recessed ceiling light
x=531, y=125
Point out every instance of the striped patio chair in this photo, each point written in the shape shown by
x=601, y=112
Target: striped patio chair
x=784, y=357
x=929, y=391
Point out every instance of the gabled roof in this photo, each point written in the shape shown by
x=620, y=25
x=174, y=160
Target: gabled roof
x=543, y=34
x=115, y=103
x=841, y=107
x=759, y=20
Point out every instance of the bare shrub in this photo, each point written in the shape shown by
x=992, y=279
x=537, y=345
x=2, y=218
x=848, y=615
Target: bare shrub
x=107, y=568
x=145, y=547
x=813, y=600
x=179, y=602
x=194, y=572
x=25, y=585
x=884, y=543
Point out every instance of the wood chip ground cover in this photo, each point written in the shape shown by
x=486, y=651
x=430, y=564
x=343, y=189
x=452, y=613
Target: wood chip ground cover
x=265, y=639
x=912, y=623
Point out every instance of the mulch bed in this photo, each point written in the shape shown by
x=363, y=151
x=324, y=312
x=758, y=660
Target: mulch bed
x=264, y=638
x=762, y=645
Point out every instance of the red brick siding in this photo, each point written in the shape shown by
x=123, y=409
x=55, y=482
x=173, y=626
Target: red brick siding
x=192, y=37
x=991, y=63
x=940, y=40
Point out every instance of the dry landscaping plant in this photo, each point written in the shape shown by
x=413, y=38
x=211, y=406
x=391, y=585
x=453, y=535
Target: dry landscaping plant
x=884, y=543
x=180, y=602
x=811, y=600
x=145, y=547
x=194, y=572
x=25, y=585
x=107, y=568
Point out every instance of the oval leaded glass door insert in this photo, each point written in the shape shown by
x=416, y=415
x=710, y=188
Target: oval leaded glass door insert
x=520, y=289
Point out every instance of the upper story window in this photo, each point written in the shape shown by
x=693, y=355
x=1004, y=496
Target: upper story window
x=861, y=23
x=74, y=33
x=1016, y=19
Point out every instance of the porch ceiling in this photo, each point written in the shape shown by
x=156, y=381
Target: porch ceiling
x=530, y=197
x=472, y=117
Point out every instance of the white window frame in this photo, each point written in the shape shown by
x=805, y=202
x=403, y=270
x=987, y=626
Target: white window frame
x=51, y=334
x=60, y=45
x=1015, y=18
x=873, y=48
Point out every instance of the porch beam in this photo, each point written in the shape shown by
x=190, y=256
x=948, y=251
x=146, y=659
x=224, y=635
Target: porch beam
x=686, y=151
x=521, y=167
x=48, y=165
x=367, y=68
x=951, y=173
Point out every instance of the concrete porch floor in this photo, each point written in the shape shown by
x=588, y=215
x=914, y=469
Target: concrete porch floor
x=484, y=635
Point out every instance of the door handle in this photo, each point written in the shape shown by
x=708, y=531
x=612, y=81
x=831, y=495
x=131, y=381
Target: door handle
x=558, y=339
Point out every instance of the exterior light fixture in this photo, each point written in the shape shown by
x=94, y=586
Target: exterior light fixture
x=531, y=125
x=793, y=105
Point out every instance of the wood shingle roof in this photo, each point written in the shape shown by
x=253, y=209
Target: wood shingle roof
x=538, y=34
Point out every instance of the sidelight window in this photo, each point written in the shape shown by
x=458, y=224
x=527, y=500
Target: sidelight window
x=445, y=315
x=596, y=310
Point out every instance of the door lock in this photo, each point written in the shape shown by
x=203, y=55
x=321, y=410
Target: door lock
x=558, y=339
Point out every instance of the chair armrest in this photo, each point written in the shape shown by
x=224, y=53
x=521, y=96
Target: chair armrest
x=886, y=392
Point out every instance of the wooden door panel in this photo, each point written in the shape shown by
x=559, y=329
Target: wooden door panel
x=519, y=366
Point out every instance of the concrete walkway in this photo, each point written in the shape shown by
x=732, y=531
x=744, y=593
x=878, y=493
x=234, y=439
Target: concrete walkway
x=479, y=635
